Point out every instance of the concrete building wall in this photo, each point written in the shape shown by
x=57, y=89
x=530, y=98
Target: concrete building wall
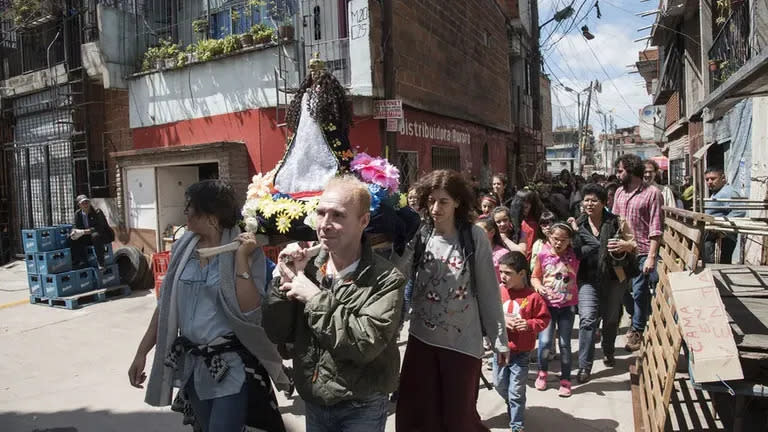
x=233, y=84
x=451, y=59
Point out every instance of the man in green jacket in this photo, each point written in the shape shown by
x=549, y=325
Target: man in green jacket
x=341, y=313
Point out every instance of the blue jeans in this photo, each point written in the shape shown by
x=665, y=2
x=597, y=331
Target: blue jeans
x=563, y=319
x=509, y=382
x=222, y=414
x=639, y=304
x=364, y=415
x=598, y=302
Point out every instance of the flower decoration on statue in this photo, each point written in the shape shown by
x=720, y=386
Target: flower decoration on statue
x=267, y=210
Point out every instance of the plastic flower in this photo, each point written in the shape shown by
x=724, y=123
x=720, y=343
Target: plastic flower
x=294, y=210
x=311, y=220
x=267, y=207
x=251, y=224
x=261, y=185
x=376, y=170
x=283, y=224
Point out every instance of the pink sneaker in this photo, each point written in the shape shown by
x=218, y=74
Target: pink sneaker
x=565, y=389
x=541, y=381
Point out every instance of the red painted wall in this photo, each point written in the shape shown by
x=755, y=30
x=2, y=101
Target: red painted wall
x=471, y=153
x=256, y=128
x=266, y=142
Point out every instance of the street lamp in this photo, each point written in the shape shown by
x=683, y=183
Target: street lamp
x=559, y=16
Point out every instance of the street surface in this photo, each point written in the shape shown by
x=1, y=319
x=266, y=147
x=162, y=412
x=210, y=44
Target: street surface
x=66, y=371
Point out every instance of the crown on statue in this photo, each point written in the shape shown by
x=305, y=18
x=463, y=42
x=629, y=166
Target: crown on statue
x=316, y=65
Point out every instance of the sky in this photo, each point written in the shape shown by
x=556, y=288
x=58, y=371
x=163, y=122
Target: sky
x=572, y=61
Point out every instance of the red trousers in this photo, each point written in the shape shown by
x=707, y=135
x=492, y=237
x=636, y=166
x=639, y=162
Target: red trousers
x=438, y=390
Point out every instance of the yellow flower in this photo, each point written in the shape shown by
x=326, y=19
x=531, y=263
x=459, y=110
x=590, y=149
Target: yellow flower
x=267, y=207
x=294, y=210
x=283, y=224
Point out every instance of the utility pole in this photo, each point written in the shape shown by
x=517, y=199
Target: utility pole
x=390, y=138
x=583, y=135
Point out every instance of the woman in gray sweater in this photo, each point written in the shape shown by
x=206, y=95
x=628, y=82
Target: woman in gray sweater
x=456, y=301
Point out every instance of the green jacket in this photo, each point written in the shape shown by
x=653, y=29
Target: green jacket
x=345, y=338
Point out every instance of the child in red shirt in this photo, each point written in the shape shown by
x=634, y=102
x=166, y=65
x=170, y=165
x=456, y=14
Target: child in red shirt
x=526, y=314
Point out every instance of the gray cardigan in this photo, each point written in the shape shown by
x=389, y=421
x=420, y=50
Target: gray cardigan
x=247, y=327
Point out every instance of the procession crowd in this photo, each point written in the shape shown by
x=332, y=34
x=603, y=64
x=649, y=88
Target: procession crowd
x=498, y=270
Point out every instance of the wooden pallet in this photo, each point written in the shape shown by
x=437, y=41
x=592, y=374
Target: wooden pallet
x=90, y=297
x=653, y=374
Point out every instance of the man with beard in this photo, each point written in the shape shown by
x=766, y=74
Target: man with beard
x=640, y=205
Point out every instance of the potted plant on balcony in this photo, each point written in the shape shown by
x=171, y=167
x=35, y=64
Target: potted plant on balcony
x=262, y=34
x=200, y=27
x=282, y=15
x=713, y=65
x=723, y=11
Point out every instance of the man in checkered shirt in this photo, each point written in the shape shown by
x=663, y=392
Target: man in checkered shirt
x=640, y=204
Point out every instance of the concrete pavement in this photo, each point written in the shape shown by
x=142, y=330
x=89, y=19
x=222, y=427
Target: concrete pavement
x=66, y=371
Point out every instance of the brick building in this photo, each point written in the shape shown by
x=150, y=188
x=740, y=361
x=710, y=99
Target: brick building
x=62, y=111
x=151, y=103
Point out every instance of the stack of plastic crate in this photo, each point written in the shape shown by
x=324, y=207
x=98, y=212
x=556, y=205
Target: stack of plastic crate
x=160, y=263
x=49, y=263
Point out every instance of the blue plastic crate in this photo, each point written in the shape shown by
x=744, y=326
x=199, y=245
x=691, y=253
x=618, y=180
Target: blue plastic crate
x=86, y=279
x=109, y=256
x=31, y=263
x=110, y=276
x=36, y=287
x=61, y=233
x=61, y=285
x=38, y=239
x=58, y=261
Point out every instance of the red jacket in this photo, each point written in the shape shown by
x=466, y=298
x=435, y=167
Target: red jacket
x=531, y=307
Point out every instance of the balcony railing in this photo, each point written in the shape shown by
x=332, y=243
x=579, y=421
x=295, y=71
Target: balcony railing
x=730, y=49
x=671, y=79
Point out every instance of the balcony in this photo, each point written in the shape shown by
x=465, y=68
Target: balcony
x=730, y=48
x=737, y=67
x=671, y=79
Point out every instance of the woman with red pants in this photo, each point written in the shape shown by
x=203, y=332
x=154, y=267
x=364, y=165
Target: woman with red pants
x=455, y=302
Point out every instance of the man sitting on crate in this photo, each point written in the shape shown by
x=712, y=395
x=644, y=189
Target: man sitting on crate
x=90, y=229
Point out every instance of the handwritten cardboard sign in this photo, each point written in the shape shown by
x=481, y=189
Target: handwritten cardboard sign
x=704, y=323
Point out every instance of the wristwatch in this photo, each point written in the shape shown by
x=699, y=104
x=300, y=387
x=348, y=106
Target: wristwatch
x=244, y=275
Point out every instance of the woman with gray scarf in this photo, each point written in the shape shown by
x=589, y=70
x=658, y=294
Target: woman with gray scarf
x=207, y=331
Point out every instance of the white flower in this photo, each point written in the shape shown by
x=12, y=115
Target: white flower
x=250, y=208
x=311, y=220
x=251, y=224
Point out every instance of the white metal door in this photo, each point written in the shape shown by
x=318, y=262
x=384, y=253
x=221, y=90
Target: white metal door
x=141, y=197
x=172, y=183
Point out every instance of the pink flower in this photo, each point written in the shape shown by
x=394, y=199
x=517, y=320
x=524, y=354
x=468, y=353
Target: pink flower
x=361, y=159
x=376, y=170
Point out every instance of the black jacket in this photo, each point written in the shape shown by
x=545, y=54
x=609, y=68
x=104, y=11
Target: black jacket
x=596, y=263
x=97, y=221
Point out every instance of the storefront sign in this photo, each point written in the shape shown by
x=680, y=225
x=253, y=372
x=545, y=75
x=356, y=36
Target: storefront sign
x=428, y=130
x=393, y=125
x=387, y=109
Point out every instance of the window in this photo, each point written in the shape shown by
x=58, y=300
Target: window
x=247, y=17
x=408, y=163
x=446, y=158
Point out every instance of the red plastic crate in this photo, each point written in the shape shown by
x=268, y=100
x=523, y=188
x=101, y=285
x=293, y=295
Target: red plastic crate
x=272, y=252
x=160, y=263
x=158, y=284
